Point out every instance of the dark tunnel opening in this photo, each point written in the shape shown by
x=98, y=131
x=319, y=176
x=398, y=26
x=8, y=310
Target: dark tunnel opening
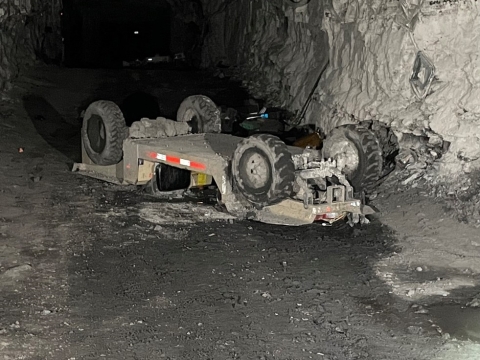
x=109, y=34
x=139, y=105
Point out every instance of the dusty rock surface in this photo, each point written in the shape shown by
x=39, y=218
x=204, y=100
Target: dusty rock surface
x=279, y=51
x=90, y=270
x=23, y=35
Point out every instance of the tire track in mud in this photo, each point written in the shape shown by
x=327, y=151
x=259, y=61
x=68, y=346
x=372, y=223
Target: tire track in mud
x=217, y=290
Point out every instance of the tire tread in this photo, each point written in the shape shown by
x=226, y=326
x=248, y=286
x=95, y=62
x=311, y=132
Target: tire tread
x=115, y=126
x=205, y=109
x=283, y=169
x=373, y=159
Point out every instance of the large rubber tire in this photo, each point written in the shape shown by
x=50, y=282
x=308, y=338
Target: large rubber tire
x=263, y=170
x=202, y=114
x=103, y=132
x=365, y=170
x=388, y=142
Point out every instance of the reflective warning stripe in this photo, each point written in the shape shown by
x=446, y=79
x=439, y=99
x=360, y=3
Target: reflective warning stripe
x=177, y=160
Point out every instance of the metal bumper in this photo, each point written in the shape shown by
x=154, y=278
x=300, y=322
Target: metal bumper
x=293, y=212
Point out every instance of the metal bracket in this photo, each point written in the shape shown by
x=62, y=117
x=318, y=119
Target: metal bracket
x=422, y=76
x=336, y=194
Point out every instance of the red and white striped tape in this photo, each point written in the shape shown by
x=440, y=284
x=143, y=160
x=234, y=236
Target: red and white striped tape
x=177, y=160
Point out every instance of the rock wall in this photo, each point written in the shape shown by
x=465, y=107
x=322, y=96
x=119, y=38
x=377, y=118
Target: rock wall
x=28, y=29
x=371, y=46
x=277, y=48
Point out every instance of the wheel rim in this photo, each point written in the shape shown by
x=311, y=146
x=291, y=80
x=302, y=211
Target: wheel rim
x=346, y=155
x=256, y=170
x=192, y=118
x=96, y=133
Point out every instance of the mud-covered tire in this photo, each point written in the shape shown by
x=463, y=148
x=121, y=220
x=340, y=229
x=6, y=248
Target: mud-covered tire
x=388, y=142
x=103, y=132
x=369, y=161
x=263, y=170
x=202, y=114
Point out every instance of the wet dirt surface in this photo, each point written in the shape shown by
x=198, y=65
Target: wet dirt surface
x=460, y=322
x=220, y=290
x=90, y=270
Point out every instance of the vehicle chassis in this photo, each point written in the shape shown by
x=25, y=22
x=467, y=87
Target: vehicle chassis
x=211, y=154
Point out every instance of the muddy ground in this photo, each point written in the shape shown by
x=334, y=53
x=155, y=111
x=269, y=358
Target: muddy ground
x=90, y=270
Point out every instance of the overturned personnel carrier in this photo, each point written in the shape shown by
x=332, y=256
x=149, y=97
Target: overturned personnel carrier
x=258, y=177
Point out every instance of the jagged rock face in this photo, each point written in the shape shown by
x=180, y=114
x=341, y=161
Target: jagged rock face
x=450, y=34
x=373, y=81
x=28, y=28
x=371, y=46
x=280, y=50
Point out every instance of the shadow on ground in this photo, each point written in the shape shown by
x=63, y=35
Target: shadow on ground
x=169, y=88
x=52, y=127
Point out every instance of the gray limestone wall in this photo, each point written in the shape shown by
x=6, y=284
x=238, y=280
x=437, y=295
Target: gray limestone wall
x=28, y=29
x=371, y=45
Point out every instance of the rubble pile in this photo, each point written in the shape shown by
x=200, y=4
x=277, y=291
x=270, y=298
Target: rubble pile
x=160, y=127
x=463, y=197
x=27, y=29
